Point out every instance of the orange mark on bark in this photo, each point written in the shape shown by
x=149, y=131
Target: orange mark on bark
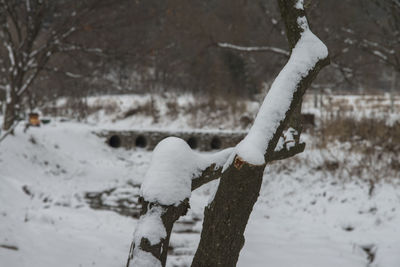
x=238, y=163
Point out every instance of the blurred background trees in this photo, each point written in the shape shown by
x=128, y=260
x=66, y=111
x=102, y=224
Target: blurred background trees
x=163, y=46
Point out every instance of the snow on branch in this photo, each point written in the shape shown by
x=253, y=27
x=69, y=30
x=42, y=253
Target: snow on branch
x=287, y=147
x=255, y=48
x=165, y=192
x=226, y=216
x=174, y=165
x=308, y=51
x=175, y=170
x=75, y=47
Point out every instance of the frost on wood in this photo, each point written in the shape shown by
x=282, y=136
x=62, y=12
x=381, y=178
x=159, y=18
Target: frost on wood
x=305, y=55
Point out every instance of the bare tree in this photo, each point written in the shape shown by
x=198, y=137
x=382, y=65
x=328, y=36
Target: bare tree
x=31, y=33
x=175, y=170
x=385, y=42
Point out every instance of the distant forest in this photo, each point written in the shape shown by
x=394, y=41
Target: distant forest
x=215, y=47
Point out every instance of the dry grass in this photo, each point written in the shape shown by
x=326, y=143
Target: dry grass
x=370, y=149
x=376, y=132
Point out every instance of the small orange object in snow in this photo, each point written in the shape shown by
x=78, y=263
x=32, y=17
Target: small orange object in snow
x=34, y=119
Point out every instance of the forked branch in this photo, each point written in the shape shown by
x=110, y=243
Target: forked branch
x=176, y=170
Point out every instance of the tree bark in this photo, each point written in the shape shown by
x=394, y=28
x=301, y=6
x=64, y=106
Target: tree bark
x=10, y=111
x=169, y=215
x=225, y=219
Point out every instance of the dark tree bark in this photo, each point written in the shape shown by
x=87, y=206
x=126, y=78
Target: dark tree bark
x=225, y=219
x=10, y=112
x=170, y=214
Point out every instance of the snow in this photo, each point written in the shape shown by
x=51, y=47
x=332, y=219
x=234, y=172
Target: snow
x=289, y=137
x=379, y=54
x=150, y=227
x=313, y=220
x=173, y=166
x=10, y=55
x=300, y=218
x=300, y=4
x=143, y=259
x=254, y=48
x=307, y=52
x=8, y=96
x=109, y=110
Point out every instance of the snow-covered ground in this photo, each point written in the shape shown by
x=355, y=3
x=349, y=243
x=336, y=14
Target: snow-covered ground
x=305, y=216
x=171, y=111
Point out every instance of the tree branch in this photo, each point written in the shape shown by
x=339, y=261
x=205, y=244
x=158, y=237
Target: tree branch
x=225, y=218
x=241, y=176
x=9, y=131
x=255, y=49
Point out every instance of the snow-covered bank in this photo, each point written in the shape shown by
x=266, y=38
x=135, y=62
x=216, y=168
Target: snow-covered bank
x=305, y=216
x=171, y=111
x=44, y=174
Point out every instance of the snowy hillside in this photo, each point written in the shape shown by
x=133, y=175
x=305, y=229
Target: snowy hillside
x=69, y=200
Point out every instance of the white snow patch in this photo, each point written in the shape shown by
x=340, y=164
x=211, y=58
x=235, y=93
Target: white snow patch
x=151, y=227
x=299, y=4
x=144, y=259
x=307, y=52
x=298, y=219
x=174, y=164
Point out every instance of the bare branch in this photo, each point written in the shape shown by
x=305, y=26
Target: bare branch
x=227, y=215
x=288, y=149
x=9, y=131
x=275, y=50
x=241, y=176
x=285, y=153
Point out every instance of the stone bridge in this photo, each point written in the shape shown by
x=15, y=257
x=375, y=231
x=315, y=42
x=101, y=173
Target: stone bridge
x=197, y=139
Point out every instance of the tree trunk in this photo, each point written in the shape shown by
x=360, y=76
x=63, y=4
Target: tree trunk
x=168, y=215
x=10, y=111
x=226, y=217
